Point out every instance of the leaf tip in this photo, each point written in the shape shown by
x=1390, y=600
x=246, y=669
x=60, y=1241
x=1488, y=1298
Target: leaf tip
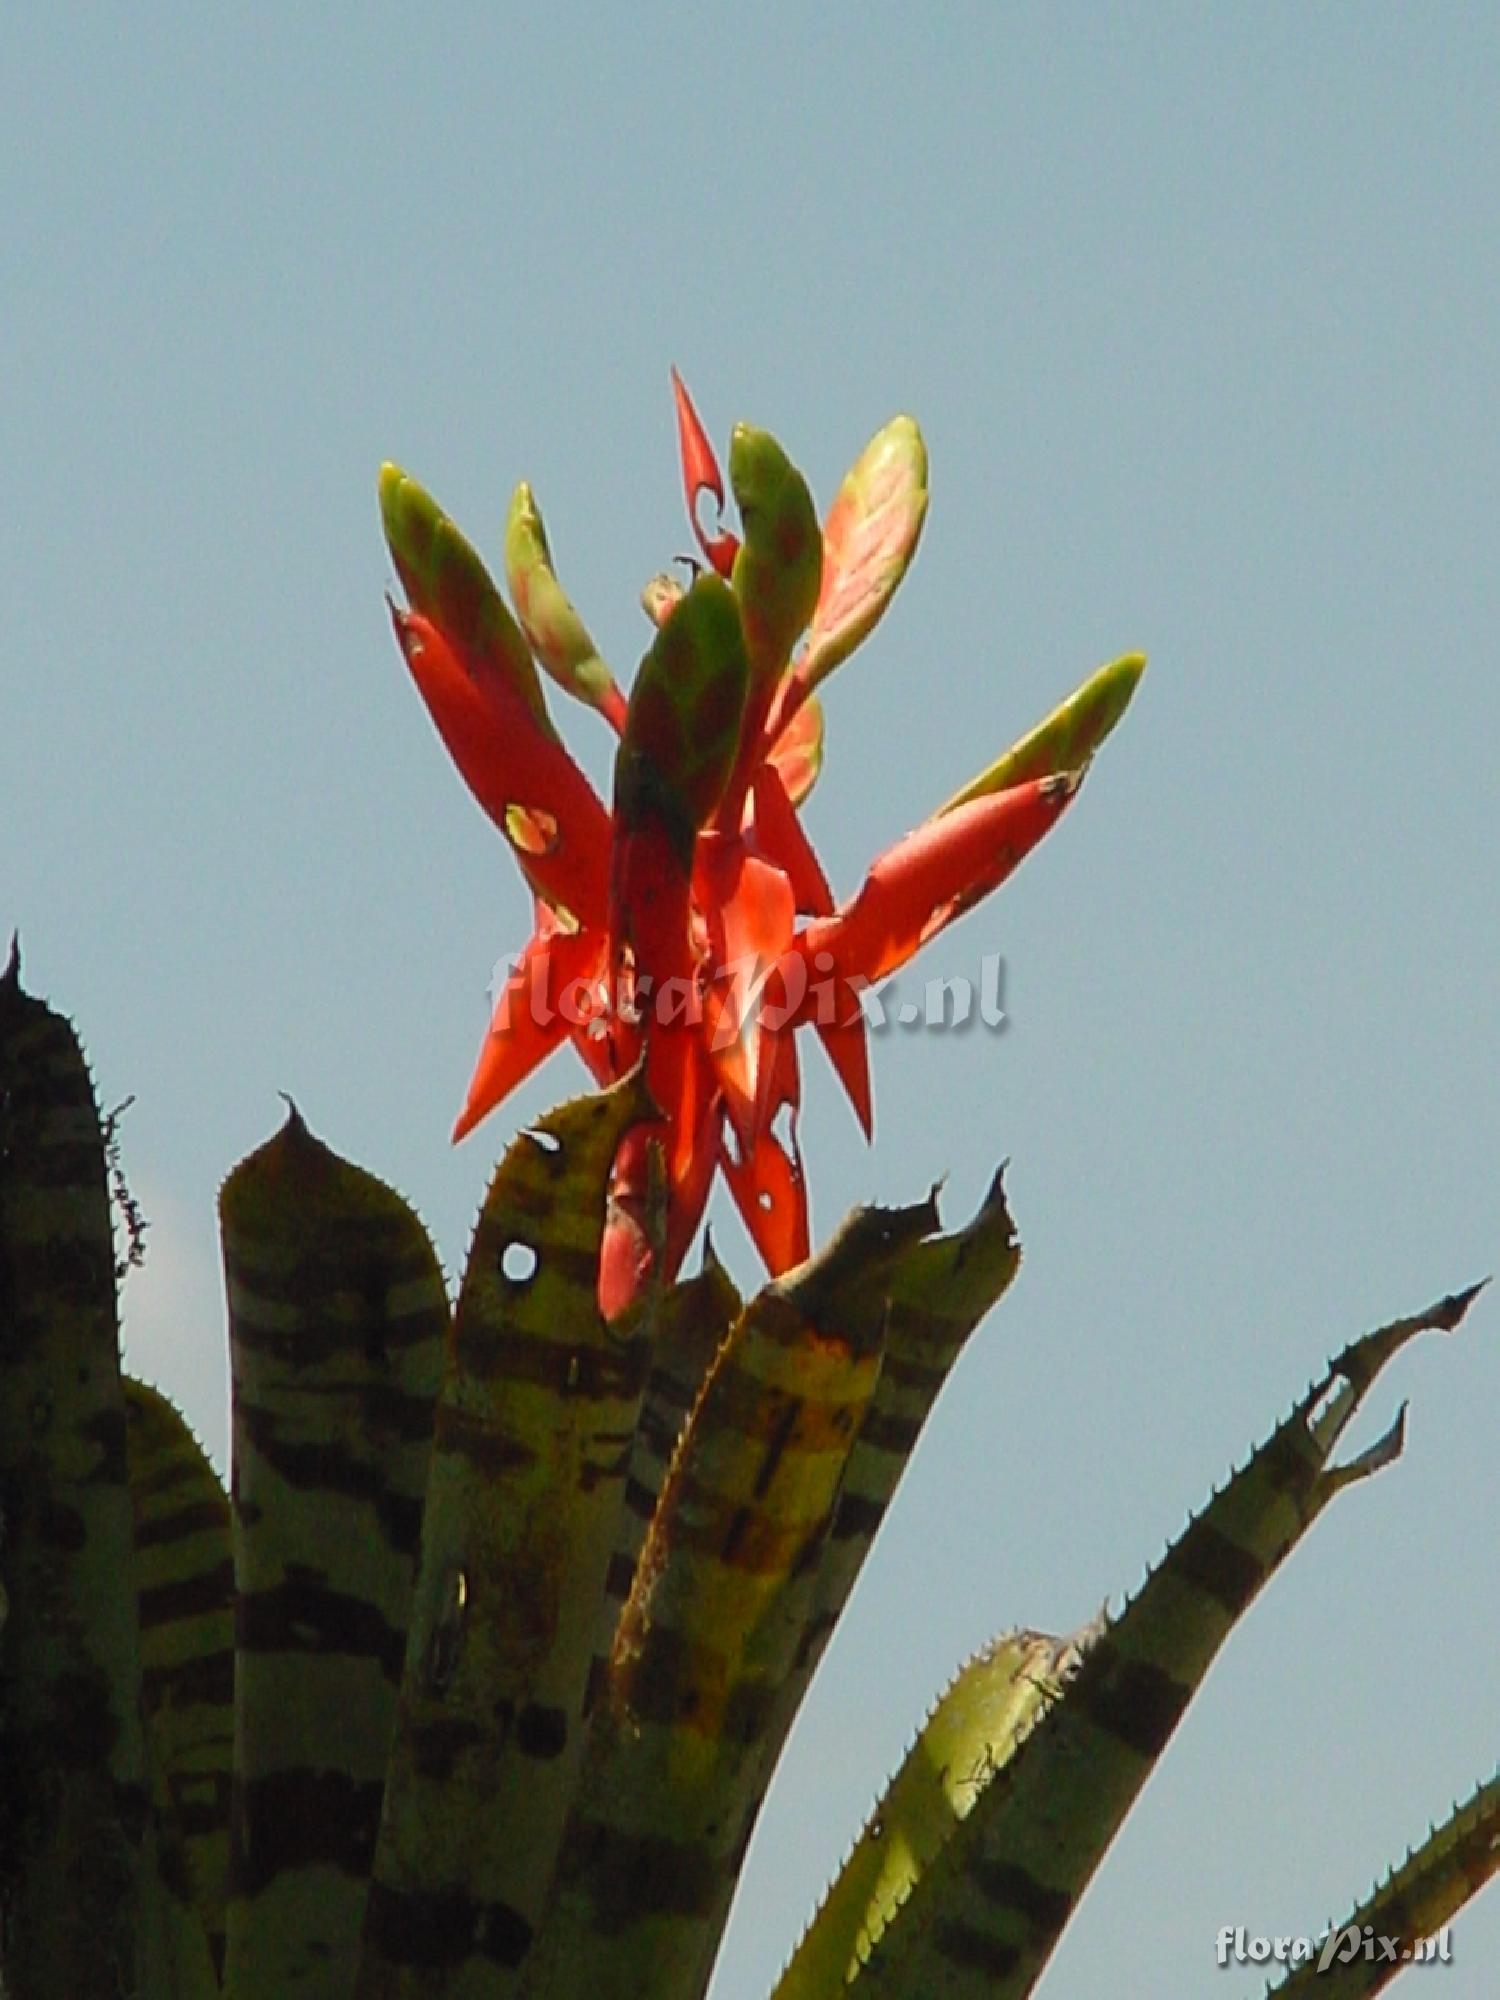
x=1449, y=1311
x=296, y=1126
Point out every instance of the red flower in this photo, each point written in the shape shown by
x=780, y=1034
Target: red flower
x=691, y=926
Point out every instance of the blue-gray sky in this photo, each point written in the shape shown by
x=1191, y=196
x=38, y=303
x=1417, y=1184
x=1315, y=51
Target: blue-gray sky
x=1198, y=310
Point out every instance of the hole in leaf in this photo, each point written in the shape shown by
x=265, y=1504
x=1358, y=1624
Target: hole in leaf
x=531, y=829
x=448, y=1637
x=546, y=1142
x=765, y=1200
x=518, y=1263
x=937, y=918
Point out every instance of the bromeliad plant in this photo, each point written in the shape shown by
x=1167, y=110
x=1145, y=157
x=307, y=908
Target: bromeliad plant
x=475, y=1682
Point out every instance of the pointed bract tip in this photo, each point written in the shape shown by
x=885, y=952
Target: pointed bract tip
x=1449, y=1311
x=296, y=1125
x=12, y=973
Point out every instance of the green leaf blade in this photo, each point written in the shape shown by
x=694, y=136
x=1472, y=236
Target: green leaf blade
x=539, y=1406
x=184, y=1572
x=984, y=1919
x=338, y=1315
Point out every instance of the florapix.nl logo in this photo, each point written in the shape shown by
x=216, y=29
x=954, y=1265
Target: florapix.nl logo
x=774, y=994
x=1354, y=1942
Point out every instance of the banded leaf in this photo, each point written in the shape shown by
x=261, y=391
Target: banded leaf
x=721, y=1598
x=84, y=1909
x=984, y=1918
x=972, y=1731
x=191, y=1971
x=184, y=1572
x=531, y=1450
x=1414, y=1903
x=337, y=1318
x=689, y=1325
x=928, y=1301
x=934, y=1298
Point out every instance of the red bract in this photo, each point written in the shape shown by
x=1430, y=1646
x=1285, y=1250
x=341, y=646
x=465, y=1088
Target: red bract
x=690, y=926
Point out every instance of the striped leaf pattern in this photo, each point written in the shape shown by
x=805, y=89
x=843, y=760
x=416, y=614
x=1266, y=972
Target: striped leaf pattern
x=721, y=1598
x=474, y=1687
x=184, y=1574
x=690, y=1324
x=539, y=1406
x=985, y=1917
x=972, y=1731
x=932, y=1299
x=82, y=1902
x=1414, y=1903
x=338, y=1316
x=923, y=1304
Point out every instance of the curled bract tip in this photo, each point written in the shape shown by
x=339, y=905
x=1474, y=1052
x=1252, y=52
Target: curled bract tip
x=296, y=1126
x=701, y=474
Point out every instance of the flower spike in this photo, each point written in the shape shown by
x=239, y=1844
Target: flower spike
x=691, y=928
x=682, y=733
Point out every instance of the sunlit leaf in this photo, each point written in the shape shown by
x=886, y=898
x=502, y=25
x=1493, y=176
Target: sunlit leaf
x=446, y=581
x=338, y=1316
x=982, y=1921
x=869, y=539
x=539, y=1403
x=1067, y=739
x=554, y=630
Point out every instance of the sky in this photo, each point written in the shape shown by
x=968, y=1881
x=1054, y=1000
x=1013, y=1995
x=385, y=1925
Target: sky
x=1199, y=310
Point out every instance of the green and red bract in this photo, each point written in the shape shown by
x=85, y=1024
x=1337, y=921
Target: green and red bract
x=689, y=926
